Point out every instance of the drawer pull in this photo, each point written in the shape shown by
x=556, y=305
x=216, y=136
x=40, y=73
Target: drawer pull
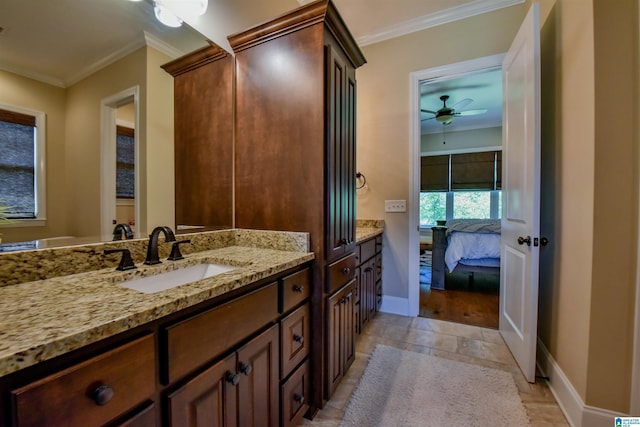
x=346, y=270
x=233, y=379
x=299, y=339
x=245, y=368
x=102, y=395
x=298, y=399
x=298, y=288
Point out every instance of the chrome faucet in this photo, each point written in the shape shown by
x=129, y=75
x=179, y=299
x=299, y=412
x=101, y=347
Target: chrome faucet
x=152, y=248
x=119, y=229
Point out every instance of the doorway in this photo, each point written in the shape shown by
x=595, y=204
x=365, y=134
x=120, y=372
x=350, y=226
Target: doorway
x=471, y=298
x=126, y=105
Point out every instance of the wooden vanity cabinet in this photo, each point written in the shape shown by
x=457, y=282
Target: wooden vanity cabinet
x=240, y=390
x=341, y=335
x=295, y=145
x=369, y=272
x=203, y=137
x=93, y=392
x=243, y=360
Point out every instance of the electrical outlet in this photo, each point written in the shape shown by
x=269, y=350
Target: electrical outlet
x=395, y=205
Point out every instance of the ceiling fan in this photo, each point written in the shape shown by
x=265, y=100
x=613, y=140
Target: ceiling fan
x=446, y=114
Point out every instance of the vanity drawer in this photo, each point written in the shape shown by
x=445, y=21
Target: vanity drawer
x=199, y=339
x=92, y=392
x=340, y=273
x=295, y=396
x=367, y=249
x=295, y=339
x=295, y=289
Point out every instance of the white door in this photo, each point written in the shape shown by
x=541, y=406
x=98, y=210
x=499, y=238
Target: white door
x=520, y=247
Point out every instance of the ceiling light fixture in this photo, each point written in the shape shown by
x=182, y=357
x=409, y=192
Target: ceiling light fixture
x=172, y=12
x=445, y=119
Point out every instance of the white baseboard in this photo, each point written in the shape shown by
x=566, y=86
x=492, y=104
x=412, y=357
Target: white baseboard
x=395, y=305
x=577, y=413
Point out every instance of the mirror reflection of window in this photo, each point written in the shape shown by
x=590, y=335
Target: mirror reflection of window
x=125, y=163
x=21, y=147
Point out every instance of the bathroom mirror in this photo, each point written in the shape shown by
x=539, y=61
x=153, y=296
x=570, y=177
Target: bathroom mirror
x=69, y=60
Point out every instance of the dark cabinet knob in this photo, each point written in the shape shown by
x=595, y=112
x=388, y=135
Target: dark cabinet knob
x=298, y=288
x=299, y=339
x=245, y=369
x=346, y=270
x=102, y=395
x=298, y=398
x=232, y=379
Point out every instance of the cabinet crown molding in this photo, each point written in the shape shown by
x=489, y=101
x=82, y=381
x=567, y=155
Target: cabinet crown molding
x=195, y=59
x=321, y=11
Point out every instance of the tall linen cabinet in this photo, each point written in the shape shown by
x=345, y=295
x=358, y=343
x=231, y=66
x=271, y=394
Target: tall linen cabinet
x=295, y=111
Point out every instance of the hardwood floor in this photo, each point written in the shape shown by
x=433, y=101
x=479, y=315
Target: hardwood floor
x=475, y=303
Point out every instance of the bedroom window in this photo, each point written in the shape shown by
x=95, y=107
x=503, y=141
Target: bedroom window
x=22, y=148
x=466, y=185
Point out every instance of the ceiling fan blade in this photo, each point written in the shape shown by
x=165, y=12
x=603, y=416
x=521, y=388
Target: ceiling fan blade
x=470, y=112
x=428, y=118
x=463, y=103
x=429, y=111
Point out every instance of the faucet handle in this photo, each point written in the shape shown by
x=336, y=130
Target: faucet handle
x=175, y=250
x=126, y=262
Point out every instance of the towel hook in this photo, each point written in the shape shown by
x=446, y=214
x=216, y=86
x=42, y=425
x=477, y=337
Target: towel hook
x=361, y=178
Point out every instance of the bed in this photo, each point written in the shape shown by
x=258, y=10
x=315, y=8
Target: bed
x=465, y=245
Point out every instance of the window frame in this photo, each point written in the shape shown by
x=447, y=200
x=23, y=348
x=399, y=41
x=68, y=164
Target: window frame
x=494, y=205
x=39, y=170
x=494, y=194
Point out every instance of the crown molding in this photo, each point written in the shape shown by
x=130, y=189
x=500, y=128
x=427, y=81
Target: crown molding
x=432, y=20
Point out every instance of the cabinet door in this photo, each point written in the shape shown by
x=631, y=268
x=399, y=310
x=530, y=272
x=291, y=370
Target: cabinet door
x=372, y=302
x=341, y=99
x=258, y=394
x=349, y=328
x=210, y=399
x=334, y=341
x=340, y=335
x=365, y=288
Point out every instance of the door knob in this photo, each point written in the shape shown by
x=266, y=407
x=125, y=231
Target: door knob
x=523, y=240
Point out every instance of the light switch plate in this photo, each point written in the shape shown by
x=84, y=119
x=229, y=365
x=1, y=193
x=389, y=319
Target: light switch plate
x=395, y=205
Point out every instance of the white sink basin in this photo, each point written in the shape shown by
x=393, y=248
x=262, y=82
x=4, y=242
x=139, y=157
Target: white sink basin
x=171, y=279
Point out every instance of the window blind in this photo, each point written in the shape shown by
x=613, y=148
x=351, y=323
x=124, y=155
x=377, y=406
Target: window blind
x=473, y=171
x=462, y=172
x=434, y=173
x=17, y=163
x=125, y=163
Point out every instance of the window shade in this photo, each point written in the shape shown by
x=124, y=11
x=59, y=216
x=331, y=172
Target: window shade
x=125, y=163
x=17, y=168
x=434, y=174
x=472, y=171
x=462, y=172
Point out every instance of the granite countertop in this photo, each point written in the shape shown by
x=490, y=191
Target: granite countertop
x=47, y=318
x=63, y=299
x=367, y=228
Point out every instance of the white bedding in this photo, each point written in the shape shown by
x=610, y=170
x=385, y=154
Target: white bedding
x=471, y=246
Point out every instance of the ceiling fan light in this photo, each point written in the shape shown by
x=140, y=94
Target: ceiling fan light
x=445, y=119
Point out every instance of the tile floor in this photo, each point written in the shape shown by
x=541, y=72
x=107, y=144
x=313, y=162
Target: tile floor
x=464, y=343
